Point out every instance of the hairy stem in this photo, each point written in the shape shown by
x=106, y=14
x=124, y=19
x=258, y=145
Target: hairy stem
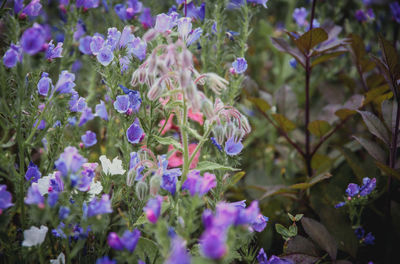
x=185, y=142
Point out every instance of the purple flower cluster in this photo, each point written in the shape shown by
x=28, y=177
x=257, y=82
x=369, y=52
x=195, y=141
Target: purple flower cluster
x=367, y=239
x=395, y=9
x=128, y=240
x=213, y=240
x=5, y=198
x=354, y=191
x=129, y=102
x=199, y=185
x=365, y=15
x=99, y=206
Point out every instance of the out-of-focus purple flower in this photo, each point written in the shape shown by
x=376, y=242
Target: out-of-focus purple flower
x=114, y=241
x=137, y=48
x=53, y=52
x=105, y=55
x=199, y=185
x=113, y=36
x=77, y=105
x=101, y=110
x=215, y=143
x=233, y=147
x=99, y=206
x=300, y=16
x=260, y=223
x=146, y=19
x=34, y=196
x=33, y=8
x=124, y=63
x=248, y=215
x=105, y=260
x=33, y=39
x=262, y=257
x=32, y=174
x=153, y=209
x=63, y=213
x=197, y=13
x=293, y=63
x=84, y=45
x=89, y=139
x=184, y=27
x=365, y=16
x=130, y=239
x=213, y=243
x=341, y=204
x=135, y=132
x=352, y=189
x=65, y=83
x=368, y=186
x=70, y=161
x=369, y=239
x=169, y=179
x=96, y=44
x=239, y=65
x=235, y=4
x=121, y=103
x=178, y=253
x=207, y=218
x=80, y=30
x=41, y=126
x=5, y=198
x=18, y=5
x=12, y=56
x=126, y=37
x=194, y=36
x=163, y=23
x=87, y=4
x=395, y=9
x=86, y=115
x=120, y=10
x=44, y=84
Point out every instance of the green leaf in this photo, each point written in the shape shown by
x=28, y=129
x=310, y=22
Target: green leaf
x=293, y=230
x=260, y=104
x=209, y=165
x=281, y=45
x=344, y=113
x=168, y=141
x=326, y=57
x=389, y=109
x=387, y=170
x=147, y=248
x=283, y=231
x=389, y=54
x=237, y=177
x=319, y=128
x=357, y=46
x=283, y=122
x=375, y=126
x=320, y=235
x=321, y=163
x=299, y=216
x=372, y=148
x=310, y=39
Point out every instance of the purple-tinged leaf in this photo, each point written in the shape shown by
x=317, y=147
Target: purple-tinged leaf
x=372, y=148
x=375, y=126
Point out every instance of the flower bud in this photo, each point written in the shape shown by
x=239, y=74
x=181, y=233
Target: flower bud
x=207, y=108
x=187, y=58
x=130, y=177
x=141, y=190
x=219, y=134
x=156, y=90
x=245, y=124
x=229, y=130
x=185, y=78
x=155, y=183
x=150, y=35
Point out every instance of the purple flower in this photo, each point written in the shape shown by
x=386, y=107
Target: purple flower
x=239, y=65
x=197, y=13
x=225, y=216
x=101, y=110
x=215, y=143
x=395, y=9
x=86, y=116
x=120, y=10
x=369, y=239
x=99, y=206
x=33, y=8
x=168, y=182
x=341, y=204
x=260, y=223
x=105, y=55
x=33, y=39
x=137, y=48
x=5, y=198
x=113, y=36
x=105, y=260
x=44, y=84
x=146, y=19
x=130, y=239
x=199, y=185
x=32, y=174
x=12, y=56
x=121, y=103
x=365, y=16
x=153, y=209
x=207, y=218
x=87, y=3
x=18, y=5
x=178, y=253
x=194, y=36
x=53, y=52
x=300, y=16
x=41, y=126
x=134, y=161
x=248, y=215
x=80, y=30
x=34, y=196
x=89, y=139
x=124, y=63
x=126, y=37
x=213, y=243
x=63, y=213
x=293, y=63
x=135, y=132
x=84, y=45
x=163, y=23
x=70, y=161
x=114, y=241
x=96, y=44
x=368, y=186
x=352, y=189
x=262, y=257
x=65, y=83
x=184, y=27
x=233, y=147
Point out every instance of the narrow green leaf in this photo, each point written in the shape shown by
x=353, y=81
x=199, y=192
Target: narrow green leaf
x=389, y=171
x=168, y=141
x=209, y=166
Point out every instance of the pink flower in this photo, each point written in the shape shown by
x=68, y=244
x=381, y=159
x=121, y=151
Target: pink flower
x=198, y=116
x=170, y=125
x=176, y=159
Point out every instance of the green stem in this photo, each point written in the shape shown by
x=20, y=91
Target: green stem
x=38, y=122
x=201, y=143
x=185, y=142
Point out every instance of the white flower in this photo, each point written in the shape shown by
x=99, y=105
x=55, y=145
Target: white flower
x=59, y=260
x=44, y=183
x=114, y=168
x=94, y=189
x=34, y=236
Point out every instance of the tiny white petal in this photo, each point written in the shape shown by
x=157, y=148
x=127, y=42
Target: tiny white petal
x=59, y=260
x=34, y=236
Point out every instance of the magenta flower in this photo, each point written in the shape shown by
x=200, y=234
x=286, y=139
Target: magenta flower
x=199, y=185
x=5, y=198
x=135, y=132
x=153, y=209
x=114, y=241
